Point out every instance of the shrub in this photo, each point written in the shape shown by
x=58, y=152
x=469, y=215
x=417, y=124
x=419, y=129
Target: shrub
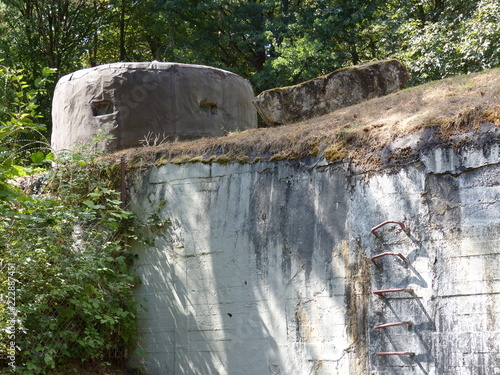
x=67, y=294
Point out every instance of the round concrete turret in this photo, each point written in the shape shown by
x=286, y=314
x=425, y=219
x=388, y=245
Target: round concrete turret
x=133, y=101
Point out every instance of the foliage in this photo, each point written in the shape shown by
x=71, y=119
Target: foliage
x=270, y=42
x=480, y=37
x=457, y=38
x=63, y=257
x=18, y=123
x=52, y=33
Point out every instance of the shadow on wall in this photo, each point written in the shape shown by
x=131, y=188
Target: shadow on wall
x=251, y=276
x=289, y=238
x=401, y=199
x=266, y=269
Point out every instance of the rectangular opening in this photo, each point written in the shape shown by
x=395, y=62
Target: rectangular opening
x=208, y=107
x=103, y=107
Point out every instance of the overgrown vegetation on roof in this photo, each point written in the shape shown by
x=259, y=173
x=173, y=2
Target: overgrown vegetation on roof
x=371, y=134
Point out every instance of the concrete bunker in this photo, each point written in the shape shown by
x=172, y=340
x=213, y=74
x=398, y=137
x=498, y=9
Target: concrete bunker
x=132, y=100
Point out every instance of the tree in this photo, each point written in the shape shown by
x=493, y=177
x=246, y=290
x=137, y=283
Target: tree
x=53, y=33
x=445, y=38
x=21, y=132
x=311, y=38
x=48, y=33
x=270, y=42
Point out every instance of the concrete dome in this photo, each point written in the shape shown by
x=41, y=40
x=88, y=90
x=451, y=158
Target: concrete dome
x=132, y=100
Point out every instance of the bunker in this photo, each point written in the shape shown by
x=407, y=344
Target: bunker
x=134, y=101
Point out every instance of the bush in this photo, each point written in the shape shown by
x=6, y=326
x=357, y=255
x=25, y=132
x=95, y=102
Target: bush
x=67, y=294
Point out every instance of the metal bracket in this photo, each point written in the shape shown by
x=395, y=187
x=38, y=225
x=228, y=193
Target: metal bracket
x=408, y=323
x=407, y=263
x=406, y=230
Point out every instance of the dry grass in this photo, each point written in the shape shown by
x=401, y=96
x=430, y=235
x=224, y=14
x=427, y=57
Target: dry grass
x=364, y=133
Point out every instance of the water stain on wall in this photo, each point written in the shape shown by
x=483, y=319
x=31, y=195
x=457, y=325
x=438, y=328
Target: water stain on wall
x=357, y=291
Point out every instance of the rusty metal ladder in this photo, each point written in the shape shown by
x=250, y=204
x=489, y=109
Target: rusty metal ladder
x=383, y=292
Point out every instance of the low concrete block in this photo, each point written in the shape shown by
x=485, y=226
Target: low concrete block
x=326, y=94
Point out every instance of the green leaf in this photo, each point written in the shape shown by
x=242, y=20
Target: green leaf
x=37, y=157
x=89, y=204
x=31, y=366
x=48, y=71
x=49, y=360
x=18, y=170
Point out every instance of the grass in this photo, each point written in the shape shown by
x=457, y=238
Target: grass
x=363, y=133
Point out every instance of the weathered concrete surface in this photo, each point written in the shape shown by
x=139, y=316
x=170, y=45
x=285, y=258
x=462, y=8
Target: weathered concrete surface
x=265, y=268
x=132, y=100
x=339, y=89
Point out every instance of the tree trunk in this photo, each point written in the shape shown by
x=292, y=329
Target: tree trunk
x=123, y=52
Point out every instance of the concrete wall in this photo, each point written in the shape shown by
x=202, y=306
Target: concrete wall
x=266, y=268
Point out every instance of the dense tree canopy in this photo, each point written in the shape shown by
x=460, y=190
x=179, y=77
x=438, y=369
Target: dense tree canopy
x=270, y=42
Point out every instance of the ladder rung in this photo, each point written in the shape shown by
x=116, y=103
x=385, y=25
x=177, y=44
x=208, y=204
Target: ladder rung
x=384, y=291
x=411, y=354
x=408, y=323
x=403, y=258
x=406, y=230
